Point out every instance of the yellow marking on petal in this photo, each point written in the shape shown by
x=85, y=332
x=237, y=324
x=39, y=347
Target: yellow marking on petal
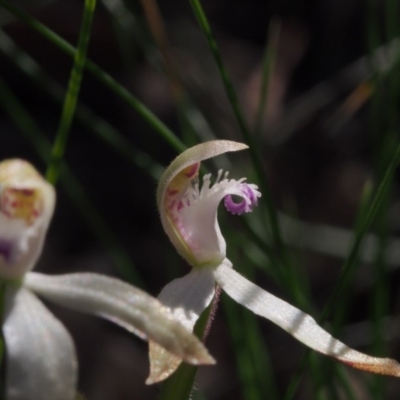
x=24, y=193
x=180, y=182
x=18, y=203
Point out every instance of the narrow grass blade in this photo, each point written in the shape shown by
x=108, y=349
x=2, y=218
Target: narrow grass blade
x=255, y=155
x=94, y=123
x=103, y=77
x=125, y=27
x=353, y=254
x=71, y=97
x=376, y=203
x=252, y=361
x=256, y=373
x=71, y=185
x=267, y=68
x=158, y=31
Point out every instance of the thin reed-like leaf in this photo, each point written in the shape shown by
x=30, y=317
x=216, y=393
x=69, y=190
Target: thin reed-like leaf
x=71, y=97
x=71, y=185
x=267, y=68
x=156, y=26
x=353, y=254
x=244, y=361
x=94, y=123
x=283, y=264
x=103, y=77
x=255, y=370
x=376, y=203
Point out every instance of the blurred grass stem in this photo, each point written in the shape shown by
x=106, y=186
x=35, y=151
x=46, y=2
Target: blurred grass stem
x=267, y=69
x=71, y=185
x=72, y=95
x=103, y=77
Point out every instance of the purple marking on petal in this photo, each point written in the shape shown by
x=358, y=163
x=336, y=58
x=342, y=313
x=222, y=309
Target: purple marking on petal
x=234, y=208
x=5, y=249
x=249, y=202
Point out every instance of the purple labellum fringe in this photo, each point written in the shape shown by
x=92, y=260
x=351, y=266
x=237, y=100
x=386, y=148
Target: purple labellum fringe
x=248, y=203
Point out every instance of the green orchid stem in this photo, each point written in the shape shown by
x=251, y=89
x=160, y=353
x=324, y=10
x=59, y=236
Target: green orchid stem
x=180, y=385
x=102, y=76
x=71, y=98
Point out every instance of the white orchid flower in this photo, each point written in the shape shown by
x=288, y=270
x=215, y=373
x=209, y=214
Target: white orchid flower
x=40, y=355
x=189, y=216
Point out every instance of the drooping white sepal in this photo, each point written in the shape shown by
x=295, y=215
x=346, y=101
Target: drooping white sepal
x=124, y=305
x=299, y=324
x=40, y=355
x=187, y=298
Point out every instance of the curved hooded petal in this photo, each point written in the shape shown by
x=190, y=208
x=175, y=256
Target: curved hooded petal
x=40, y=354
x=124, y=305
x=26, y=207
x=186, y=298
x=299, y=324
x=189, y=212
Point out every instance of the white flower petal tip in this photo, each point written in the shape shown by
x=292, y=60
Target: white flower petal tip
x=167, y=363
x=297, y=323
x=26, y=207
x=163, y=363
x=189, y=211
x=376, y=365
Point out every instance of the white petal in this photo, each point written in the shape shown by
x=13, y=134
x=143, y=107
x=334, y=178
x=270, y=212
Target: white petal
x=187, y=298
x=122, y=304
x=299, y=324
x=40, y=354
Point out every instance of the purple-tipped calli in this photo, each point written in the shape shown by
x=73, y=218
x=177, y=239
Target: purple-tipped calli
x=40, y=358
x=188, y=213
